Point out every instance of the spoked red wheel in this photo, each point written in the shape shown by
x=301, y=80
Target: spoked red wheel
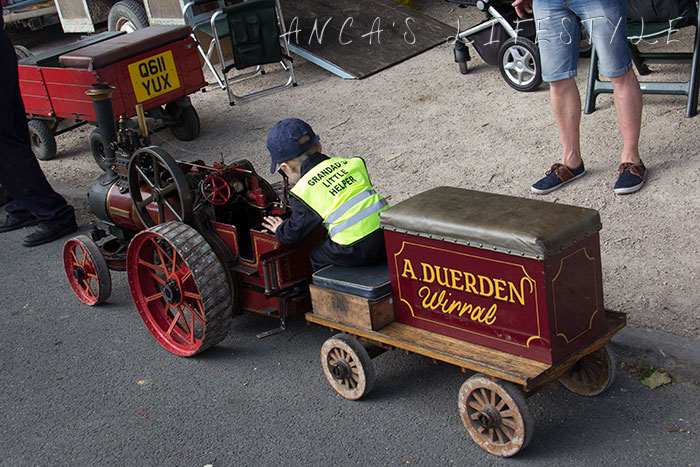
x=179, y=288
x=87, y=270
x=216, y=190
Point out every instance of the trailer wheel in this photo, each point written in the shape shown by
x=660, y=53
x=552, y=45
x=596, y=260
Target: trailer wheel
x=179, y=288
x=347, y=366
x=186, y=126
x=127, y=15
x=97, y=148
x=592, y=374
x=42, y=139
x=520, y=65
x=86, y=270
x=495, y=415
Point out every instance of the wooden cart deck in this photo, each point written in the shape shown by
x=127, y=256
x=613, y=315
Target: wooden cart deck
x=528, y=373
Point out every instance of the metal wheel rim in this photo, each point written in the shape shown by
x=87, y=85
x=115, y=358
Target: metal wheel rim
x=90, y=285
x=125, y=25
x=518, y=61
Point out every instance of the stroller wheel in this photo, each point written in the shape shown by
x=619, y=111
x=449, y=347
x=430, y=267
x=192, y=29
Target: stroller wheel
x=519, y=62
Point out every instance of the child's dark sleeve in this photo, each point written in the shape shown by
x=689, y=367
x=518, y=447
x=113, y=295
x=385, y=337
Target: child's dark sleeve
x=299, y=225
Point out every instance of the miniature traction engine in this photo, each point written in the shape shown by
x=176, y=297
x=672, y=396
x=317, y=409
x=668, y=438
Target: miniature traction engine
x=190, y=238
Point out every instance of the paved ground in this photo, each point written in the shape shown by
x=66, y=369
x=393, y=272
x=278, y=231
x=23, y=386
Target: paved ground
x=90, y=386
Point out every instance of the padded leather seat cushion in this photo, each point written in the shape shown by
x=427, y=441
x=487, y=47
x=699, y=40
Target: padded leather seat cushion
x=365, y=281
x=50, y=57
x=113, y=50
x=517, y=226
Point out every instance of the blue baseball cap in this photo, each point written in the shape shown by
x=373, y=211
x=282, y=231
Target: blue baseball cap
x=287, y=140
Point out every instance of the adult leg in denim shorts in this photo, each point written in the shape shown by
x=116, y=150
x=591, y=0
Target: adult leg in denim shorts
x=559, y=32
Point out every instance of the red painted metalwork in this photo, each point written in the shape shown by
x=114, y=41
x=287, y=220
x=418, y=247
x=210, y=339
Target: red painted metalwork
x=82, y=272
x=216, y=190
x=518, y=305
x=54, y=91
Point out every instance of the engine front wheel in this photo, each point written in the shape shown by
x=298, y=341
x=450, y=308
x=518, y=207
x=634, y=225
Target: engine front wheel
x=87, y=271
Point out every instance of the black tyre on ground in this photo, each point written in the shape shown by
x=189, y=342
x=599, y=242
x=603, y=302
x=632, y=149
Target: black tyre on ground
x=97, y=148
x=520, y=65
x=127, y=15
x=186, y=126
x=42, y=139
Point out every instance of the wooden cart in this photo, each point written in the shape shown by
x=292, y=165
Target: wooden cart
x=516, y=298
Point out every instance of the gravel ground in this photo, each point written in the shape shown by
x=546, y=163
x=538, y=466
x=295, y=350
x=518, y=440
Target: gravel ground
x=422, y=124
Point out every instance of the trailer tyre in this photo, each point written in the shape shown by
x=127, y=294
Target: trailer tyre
x=127, y=15
x=42, y=139
x=186, y=126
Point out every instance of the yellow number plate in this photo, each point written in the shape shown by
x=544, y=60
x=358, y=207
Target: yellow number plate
x=154, y=76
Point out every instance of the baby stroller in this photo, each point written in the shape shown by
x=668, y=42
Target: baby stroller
x=504, y=41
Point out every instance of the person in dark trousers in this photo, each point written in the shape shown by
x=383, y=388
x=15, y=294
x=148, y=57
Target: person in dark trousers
x=29, y=197
x=335, y=192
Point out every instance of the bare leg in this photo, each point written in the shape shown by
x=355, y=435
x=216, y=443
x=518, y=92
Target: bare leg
x=566, y=104
x=628, y=106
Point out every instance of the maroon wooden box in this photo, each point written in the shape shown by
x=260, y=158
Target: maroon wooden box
x=513, y=274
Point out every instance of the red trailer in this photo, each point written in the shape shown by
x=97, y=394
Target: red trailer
x=156, y=67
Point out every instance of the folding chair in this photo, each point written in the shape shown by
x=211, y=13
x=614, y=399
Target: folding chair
x=255, y=29
x=648, y=31
x=201, y=21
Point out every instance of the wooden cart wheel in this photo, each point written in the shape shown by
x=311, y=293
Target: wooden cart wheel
x=592, y=374
x=495, y=415
x=179, y=288
x=347, y=366
x=86, y=270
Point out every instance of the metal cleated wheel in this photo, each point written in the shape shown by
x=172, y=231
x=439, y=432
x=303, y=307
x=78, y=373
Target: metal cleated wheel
x=495, y=415
x=519, y=62
x=179, y=288
x=42, y=139
x=165, y=185
x=592, y=374
x=347, y=366
x=86, y=270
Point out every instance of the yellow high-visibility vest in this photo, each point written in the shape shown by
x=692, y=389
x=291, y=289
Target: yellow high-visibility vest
x=339, y=191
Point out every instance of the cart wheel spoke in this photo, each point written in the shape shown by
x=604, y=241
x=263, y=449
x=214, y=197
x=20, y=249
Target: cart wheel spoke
x=144, y=177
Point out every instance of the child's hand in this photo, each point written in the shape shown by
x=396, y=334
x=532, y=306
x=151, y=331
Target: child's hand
x=522, y=7
x=271, y=223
